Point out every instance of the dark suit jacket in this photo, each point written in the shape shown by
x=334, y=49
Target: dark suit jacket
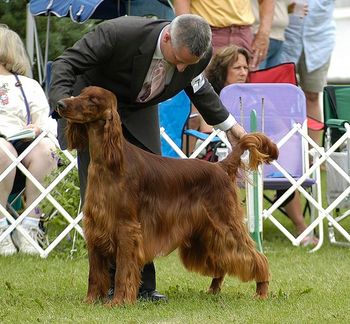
x=116, y=55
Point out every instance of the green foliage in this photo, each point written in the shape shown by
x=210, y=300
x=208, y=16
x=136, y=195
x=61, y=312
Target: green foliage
x=67, y=194
x=67, y=191
x=13, y=14
x=63, y=31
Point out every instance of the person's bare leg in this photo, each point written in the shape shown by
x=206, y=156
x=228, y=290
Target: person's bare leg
x=7, y=183
x=40, y=162
x=6, y=245
x=294, y=211
x=314, y=110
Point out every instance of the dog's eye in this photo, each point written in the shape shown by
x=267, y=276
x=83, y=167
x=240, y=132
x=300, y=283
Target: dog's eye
x=93, y=100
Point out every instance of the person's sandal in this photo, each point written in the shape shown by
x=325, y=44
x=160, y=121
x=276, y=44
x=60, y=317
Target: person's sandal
x=309, y=241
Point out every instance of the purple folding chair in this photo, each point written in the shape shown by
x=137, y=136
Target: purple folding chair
x=281, y=114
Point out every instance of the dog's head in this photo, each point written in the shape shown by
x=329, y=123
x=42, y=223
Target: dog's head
x=96, y=109
x=93, y=103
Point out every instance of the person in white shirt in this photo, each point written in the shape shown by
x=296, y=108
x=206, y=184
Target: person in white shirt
x=23, y=105
x=309, y=43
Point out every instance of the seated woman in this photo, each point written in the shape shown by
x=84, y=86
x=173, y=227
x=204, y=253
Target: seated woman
x=230, y=65
x=23, y=104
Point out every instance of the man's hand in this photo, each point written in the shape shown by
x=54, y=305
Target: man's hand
x=234, y=134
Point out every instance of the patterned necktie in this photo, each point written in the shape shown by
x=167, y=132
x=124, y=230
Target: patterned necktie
x=156, y=84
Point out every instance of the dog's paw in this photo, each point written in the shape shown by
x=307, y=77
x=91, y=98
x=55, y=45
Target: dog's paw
x=116, y=302
x=90, y=300
x=214, y=291
x=109, y=304
x=262, y=289
x=262, y=297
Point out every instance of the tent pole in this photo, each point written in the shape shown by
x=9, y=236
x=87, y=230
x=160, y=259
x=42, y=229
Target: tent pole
x=30, y=36
x=47, y=41
x=39, y=57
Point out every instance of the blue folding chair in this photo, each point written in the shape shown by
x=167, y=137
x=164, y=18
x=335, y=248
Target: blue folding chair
x=173, y=117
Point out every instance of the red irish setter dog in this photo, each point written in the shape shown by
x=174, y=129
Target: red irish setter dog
x=140, y=205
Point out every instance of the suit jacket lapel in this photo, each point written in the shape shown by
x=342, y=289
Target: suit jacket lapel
x=142, y=62
x=139, y=71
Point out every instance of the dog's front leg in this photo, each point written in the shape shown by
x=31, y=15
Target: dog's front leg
x=98, y=276
x=129, y=260
x=215, y=286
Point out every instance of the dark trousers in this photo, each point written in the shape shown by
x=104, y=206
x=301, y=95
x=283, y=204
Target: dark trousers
x=148, y=274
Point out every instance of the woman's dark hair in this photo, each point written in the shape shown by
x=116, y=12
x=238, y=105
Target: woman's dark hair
x=216, y=71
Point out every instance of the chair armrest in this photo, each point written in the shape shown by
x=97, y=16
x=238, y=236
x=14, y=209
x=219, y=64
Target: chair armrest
x=337, y=123
x=200, y=135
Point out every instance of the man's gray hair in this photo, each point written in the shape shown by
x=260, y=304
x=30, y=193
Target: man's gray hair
x=192, y=32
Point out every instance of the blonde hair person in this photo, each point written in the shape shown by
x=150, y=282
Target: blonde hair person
x=13, y=56
x=15, y=115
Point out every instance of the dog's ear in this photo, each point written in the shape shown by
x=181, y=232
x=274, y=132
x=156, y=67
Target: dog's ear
x=77, y=136
x=113, y=141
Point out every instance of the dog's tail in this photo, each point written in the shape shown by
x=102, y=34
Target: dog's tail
x=261, y=150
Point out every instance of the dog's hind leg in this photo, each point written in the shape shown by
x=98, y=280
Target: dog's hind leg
x=194, y=256
x=261, y=275
x=253, y=266
x=98, y=276
x=243, y=260
x=215, y=286
x=262, y=289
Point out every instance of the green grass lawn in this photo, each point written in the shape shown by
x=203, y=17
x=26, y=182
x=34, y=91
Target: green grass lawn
x=305, y=288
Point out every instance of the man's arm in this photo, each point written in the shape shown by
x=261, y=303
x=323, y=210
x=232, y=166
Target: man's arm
x=92, y=50
x=209, y=105
x=182, y=7
x=261, y=41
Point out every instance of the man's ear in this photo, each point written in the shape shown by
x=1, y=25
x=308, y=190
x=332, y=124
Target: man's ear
x=166, y=36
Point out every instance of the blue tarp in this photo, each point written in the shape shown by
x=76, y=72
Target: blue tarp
x=82, y=10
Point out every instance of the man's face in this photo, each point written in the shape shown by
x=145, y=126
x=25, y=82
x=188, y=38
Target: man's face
x=180, y=57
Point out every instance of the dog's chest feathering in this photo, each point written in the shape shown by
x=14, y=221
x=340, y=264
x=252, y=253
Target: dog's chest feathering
x=98, y=228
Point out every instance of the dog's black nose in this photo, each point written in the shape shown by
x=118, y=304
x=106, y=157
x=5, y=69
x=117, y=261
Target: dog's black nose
x=60, y=105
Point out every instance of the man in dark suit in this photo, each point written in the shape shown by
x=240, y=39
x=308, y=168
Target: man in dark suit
x=119, y=55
